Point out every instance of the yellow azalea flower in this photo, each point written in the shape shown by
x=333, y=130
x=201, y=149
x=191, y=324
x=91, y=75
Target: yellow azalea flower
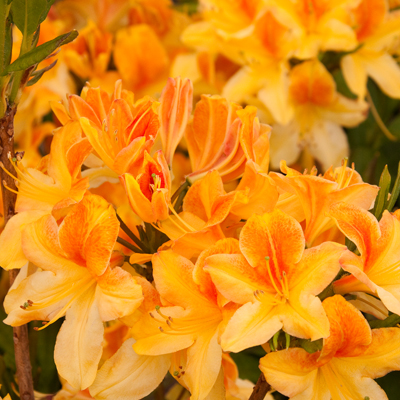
x=375, y=271
x=205, y=206
x=149, y=192
x=232, y=18
x=175, y=109
x=352, y=357
x=308, y=197
x=182, y=336
x=320, y=25
x=223, y=137
x=376, y=28
x=276, y=280
x=265, y=71
x=319, y=114
x=128, y=375
x=51, y=188
x=75, y=279
x=188, y=328
x=119, y=129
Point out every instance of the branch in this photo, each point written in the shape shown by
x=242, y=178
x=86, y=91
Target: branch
x=21, y=342
x=261, y=389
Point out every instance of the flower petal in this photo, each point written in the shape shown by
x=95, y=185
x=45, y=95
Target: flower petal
x=129, y=376
x=79, y=347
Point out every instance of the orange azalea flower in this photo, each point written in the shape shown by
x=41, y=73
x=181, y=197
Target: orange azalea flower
x=352, y=357
x=149, y=193
x=52, y=187
x=205, y=206
x=308, y=197
x=89, y=55
x=376, y=28
x=260, y=189
x=276, y=280
x=223, y=136
x=376, y=270
x=76, y=279
x=119, y=130
x=175, y=109
x=140, y=56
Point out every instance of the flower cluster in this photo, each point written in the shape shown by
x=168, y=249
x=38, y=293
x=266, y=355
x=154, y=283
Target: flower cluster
x=284, y=56
x=162, y=263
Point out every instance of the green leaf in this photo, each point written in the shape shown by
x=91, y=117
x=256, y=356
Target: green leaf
x=38, y=74
x=35, y=56
x=382, y=199
x=395, y=191
x=29, y=14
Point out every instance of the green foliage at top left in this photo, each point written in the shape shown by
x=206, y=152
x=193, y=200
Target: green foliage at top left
x=26, y=15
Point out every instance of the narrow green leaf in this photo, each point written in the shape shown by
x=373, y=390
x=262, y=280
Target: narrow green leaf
x=395, y=191
x=27, y=14
x=38, y=74
x=35, y=56
x=382, y=199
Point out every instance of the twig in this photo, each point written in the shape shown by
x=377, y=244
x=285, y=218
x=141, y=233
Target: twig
x=378, y=119
x=21, y=341
x=261, y=389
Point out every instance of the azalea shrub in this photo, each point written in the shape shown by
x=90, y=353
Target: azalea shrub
x=202, y=199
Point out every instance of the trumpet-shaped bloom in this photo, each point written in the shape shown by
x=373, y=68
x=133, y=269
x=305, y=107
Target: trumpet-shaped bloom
x=52, y=187
x=119, y=129
x=375, y=270
x=352, y=357
x=223, y=137
x=308, y=197
x=276, y=280
x=77, y=280
x=149, y=192
x=175, y=109
x=376, y=28
x=319, y=113
x=187, y=327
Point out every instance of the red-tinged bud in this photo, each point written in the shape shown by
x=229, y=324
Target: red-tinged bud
x=174, y=113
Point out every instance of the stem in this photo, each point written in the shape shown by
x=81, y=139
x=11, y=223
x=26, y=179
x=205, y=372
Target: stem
x=20, y=77
x=378, y=119
x=261, y=389
x=21, y=340
x=131, y=235
x=129, y=245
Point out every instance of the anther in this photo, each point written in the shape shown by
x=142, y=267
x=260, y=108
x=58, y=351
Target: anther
x=151, y=315
x=161, y=329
